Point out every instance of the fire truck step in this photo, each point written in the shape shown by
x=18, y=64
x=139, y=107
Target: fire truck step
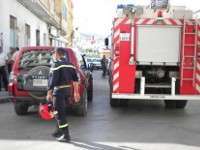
x=157, y=86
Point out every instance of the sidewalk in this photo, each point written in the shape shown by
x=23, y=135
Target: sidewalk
x=4, y=97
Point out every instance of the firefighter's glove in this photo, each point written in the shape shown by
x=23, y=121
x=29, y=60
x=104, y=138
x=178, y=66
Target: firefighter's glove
x=49, y=96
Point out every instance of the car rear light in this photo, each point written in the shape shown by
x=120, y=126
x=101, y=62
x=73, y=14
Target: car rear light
x=12, y=77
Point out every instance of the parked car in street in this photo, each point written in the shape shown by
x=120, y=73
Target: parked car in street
x=94, y=63
x=29, y=79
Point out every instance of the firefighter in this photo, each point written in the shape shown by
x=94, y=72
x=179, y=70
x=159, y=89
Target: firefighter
x=104, y=64
x=62, y=73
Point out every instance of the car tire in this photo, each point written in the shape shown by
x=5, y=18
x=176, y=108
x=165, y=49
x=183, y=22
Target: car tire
x=81, y=110
x=90, y=91
x=181, y=104
x=21, y=109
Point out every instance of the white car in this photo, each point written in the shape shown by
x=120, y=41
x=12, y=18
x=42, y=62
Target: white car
x=95, y=63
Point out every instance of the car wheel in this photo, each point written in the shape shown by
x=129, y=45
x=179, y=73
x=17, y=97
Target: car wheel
x=81, y=110
x=90, y=91
x=21, y=109
x=170, y=104
x=181, y=104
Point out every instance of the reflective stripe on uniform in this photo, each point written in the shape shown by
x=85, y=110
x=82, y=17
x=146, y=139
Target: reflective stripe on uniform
x=62, y=66
x=63, y=126
x=55, y=112
x=62, y=86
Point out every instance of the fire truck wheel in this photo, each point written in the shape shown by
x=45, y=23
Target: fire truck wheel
x=170, y=104
x=114, y=102
x=181, y=104
x=124, y=103
x=21, y=109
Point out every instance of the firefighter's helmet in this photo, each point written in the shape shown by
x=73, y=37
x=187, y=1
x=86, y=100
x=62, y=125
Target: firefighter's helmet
x=45, y=112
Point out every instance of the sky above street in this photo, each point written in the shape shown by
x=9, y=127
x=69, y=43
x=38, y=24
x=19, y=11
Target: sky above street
x=95, y=16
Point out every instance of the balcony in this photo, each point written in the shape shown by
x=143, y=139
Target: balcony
x=41, y=8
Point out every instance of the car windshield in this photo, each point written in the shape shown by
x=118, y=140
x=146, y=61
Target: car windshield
x=35, y=58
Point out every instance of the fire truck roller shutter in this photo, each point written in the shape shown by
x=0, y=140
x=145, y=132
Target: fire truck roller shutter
x=158, y=45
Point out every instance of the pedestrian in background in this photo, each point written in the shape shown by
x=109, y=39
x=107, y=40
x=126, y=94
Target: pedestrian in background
x=62, y=73
x=12, y=59
x=104, y=64
x=3, y=71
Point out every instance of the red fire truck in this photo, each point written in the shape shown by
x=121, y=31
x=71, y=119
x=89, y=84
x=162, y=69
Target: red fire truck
x=155, y=56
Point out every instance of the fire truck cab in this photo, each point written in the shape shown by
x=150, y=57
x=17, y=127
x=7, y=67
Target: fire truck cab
x=155, y=55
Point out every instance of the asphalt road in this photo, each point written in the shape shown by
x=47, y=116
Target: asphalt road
x=144, y=125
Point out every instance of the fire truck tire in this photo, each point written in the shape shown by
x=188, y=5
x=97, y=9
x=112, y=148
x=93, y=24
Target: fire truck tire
x=21, y=109
x=114, y=102
x=181, y=104
x=170, y=104
x=124, y=103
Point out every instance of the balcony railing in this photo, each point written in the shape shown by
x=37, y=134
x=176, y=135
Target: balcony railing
x=41, y=8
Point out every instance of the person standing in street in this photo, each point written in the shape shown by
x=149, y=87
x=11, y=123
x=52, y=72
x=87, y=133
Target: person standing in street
x=104, y=64
x=62, y=73
x=12, y=59
x=3, y=60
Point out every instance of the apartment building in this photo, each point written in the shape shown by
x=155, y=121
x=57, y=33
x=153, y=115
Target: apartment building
x=32, y=23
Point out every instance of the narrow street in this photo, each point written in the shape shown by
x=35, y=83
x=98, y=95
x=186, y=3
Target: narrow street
x=143, y=125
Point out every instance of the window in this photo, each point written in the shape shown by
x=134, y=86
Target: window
x=13, y=32
x=52, y=6
x=37, y=37
x=64, y=12
x=45, y=39
x=27, y=35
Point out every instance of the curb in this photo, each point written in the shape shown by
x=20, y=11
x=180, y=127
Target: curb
x=5, y=100
x=5, y=97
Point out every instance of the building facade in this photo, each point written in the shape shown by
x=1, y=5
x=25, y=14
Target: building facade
x=31, y=23
x=70, y=25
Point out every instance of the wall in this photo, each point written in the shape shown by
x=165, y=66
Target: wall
x=70, y=20
x=24, y=16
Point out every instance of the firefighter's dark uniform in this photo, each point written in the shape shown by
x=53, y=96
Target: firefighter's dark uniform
x=62, y=74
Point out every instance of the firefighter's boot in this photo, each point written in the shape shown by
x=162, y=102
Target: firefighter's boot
x=57, y=133
x=64, y=137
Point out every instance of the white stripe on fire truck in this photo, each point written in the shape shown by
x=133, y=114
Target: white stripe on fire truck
x=140, y=21
x=198, y=88
x=128, y=21
x=189, y=22
x=116, y=65
x=117, y=33
x=118, y=41
x=116, y=76
x=115, y=87
x=178, y=22
x=151, y=21
x=198, y=77
x=118, y=21
x=198, y=66
x=166, y=21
